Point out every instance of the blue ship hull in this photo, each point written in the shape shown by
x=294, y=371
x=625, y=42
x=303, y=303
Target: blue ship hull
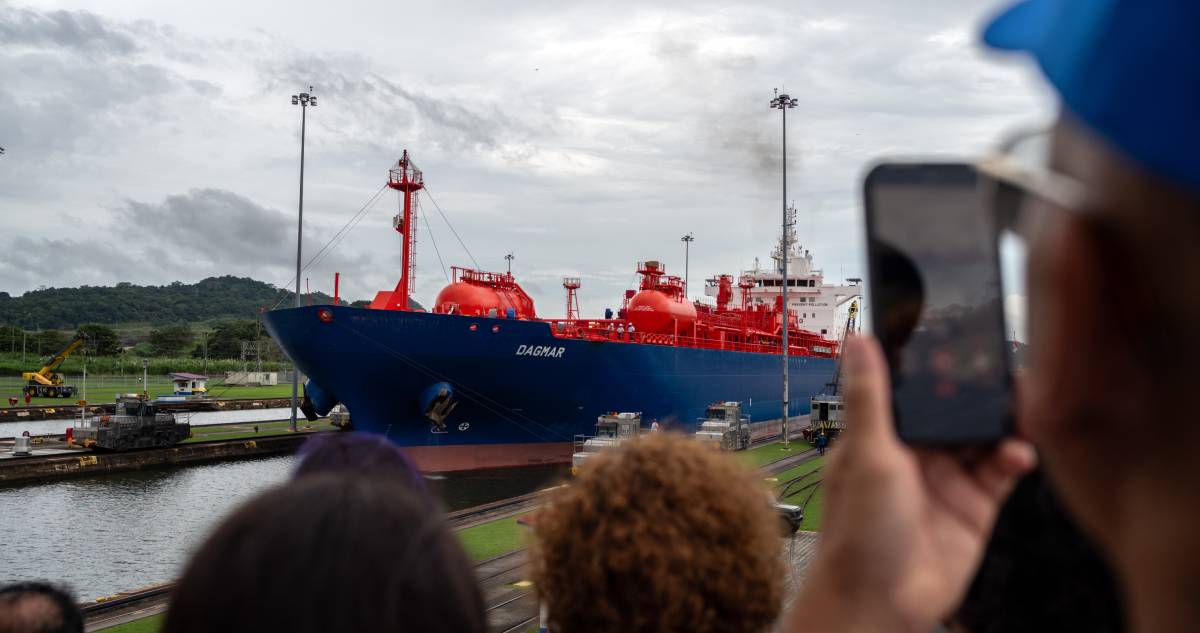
x=522, y=394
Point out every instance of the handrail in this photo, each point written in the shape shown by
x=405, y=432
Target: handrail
x=617, y=331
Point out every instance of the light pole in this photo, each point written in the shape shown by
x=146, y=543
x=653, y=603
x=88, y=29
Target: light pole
x=509, y=257
x=687, y=242
x=783, y=103
x=304, y=99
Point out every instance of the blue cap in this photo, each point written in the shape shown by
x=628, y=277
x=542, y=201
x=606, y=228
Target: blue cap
x=1129, y=69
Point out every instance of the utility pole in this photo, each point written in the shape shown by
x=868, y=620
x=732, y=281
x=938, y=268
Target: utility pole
x=783, y=103
x=205, y=333
x=304, y=100
x=687, y=242
x=509, y=257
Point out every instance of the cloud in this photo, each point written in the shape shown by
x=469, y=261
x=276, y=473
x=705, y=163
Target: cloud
x=71, y=30
x=207, y=226
x=582, y=138
x=74, y=85
x=202, y=233
x=25, y=261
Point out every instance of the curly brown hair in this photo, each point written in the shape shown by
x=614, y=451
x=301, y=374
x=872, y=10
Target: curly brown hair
x=662, y=534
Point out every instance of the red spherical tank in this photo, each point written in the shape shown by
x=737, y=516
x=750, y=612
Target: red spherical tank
x=656, y=312
x=477, y=294
x=461, y=297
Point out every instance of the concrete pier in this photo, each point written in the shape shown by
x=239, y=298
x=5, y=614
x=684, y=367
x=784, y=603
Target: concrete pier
x=68, y=410
x=80, y=463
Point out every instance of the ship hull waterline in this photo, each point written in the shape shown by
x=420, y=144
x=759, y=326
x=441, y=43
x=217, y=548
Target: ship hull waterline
x=522, y=394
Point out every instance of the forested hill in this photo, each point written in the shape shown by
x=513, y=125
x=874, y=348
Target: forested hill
x=215, y=297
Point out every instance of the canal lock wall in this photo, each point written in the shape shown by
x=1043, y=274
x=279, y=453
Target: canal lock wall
x=95, y=463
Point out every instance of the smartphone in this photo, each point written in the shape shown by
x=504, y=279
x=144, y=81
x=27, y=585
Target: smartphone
x=936, y=302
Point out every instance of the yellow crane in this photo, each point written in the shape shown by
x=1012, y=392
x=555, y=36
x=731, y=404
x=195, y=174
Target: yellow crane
x=47, y=383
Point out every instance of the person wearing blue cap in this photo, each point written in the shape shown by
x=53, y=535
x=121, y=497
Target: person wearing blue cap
x=1112, y=216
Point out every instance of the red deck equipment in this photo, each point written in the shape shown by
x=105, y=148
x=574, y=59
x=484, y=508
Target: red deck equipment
x=657, y=313
x=408, y=180
x=479, y=293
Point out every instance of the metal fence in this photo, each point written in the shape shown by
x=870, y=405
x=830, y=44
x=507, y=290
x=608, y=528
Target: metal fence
x=97, y=385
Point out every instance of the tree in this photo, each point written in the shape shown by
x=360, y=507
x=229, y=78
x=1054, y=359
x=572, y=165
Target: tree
x=227, y=337
x=48, y=342
x=171, y=340
x=211, y=298
x=102, y=340
x=11, y=337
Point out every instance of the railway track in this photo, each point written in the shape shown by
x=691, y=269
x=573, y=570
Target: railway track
x=500, y=570
x=511, y=603
x=503, y=578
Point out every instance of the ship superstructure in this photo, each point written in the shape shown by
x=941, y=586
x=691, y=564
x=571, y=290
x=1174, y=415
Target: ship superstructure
x=817, y=306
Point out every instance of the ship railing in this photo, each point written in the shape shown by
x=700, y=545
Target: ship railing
x=580, y=441
x=497, y=280
x=616, y=330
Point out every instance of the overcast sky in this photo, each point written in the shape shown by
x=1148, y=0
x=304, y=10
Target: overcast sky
x=152, y=141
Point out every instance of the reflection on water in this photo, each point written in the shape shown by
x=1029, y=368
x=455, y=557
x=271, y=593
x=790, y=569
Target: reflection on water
x=112, y=533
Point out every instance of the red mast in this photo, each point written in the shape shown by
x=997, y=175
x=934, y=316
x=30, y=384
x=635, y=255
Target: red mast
x=572, y=284
x=407, y=179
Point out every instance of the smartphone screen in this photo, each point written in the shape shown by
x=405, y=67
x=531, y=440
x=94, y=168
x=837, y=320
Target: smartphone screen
x=937, y=303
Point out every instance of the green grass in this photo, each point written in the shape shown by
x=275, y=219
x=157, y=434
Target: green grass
x=102, y=389
x=266, y=391
x=812, y=511
x=145, y=625
x=493, y=538
x=763, y=455
x=127, y=364
x=246, y=431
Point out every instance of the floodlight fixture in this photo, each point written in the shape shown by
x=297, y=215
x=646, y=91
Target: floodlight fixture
x=687, y=243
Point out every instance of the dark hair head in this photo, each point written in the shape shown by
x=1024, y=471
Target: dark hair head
x=360, y=454
x=661, y=534
x=1040, y=573
x=38, y=607
x=330, y=553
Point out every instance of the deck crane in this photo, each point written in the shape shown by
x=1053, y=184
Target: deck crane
x=835, y=388
x=827, y=407
x=48, y=383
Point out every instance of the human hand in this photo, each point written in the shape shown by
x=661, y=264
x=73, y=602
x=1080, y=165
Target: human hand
x=904, y=529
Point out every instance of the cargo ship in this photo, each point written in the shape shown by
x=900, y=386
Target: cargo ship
x=481, y=381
